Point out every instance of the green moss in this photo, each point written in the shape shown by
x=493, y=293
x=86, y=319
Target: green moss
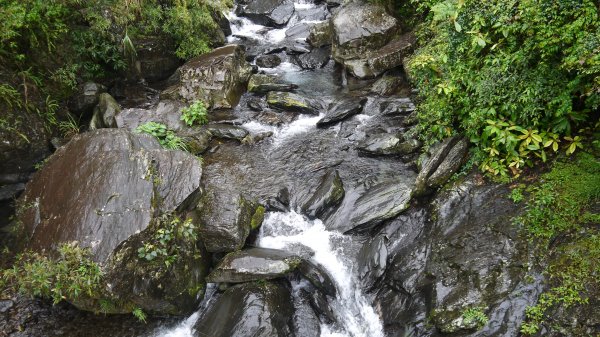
x=566, y=243
x=257, y=218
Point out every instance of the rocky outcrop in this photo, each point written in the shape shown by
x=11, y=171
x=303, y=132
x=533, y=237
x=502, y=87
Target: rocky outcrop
x=105, y=113
x=155, y=58
x=217, y=78
x=167, y=112
x=227, y=220
x=254, y=264
x=445, y=160
x=288, y=101
x=268, y=61
x=341, y=110
x=320, y=35
x=328, y=195
x=366, y=40
x=109, y=190
x=387, y=85
x=315, y=59
x=388, y=144
x=262, y=84
x=249, y=309
x=273, y=13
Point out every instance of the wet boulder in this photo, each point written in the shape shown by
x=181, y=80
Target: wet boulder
x=388, y=144
x=217, y=78
x=262, y=84
x=329, y=194
x=249, y=309
x=272, y=13
x=287, y=101
x=320, y=34
x=317, y=276
x=254, y=264
x=105, y=113
x=108, y=190
x=268, y=61
x=298, y=31
x=86, y=98
x=375, y=62
x=359, y=28
x=445, y=160
x=315, y=59
x=226, y=131
x=167, y=112
x=227, y=219
x=305, y=320
x=341, y=110
x=387, y=85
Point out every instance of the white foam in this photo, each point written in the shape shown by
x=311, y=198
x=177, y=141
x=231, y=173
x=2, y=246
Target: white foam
x=355, y=315
x=183, y=329
x=303, y=124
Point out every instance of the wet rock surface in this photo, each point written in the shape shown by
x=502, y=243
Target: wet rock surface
x=249, y=309
x=254, y=264
x=217, y=78
x=275, y=13
x=288, y=101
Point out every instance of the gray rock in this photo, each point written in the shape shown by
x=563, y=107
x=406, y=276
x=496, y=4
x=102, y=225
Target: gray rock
x=9, y=192
x=167, y=112
x=341, y=110
x=316, y=58
x=254, y=264
x=155, y=59
x=317, y=275
x=217, y=78
x=446, y=159
x=305, y=321
x=287, y=101
x=397, y=107
x=227, y=220
x=375, y=62
x=318, y=13
x=387, y=85
x=249, y=309
x=261, y=84
x=273, y=13
x=105, y=113
x=86, y=98
x=320, y=34
x=298, y=31
x=227, y=131
x=5, y=305
x=268, y=61
x=104, y=190
x=359, y=28
x=318, y=301
x=328, y=195
x=381, y=202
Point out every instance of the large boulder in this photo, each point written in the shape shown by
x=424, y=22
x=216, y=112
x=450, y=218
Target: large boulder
x=328, y=195
x=254, y=264
x=111, y=190
x=316, y=58
x=86, y=98
x=288, y=101
x=446, y=158
x=375, y=62
x=388, y=144
x=167, y=112
x=262, y=84
x=359, y=28
x=227, y=219
x=274, y=13
x=105, y=113
x=249, y=309
x=218, y=78
x=341, y=110
x=320, y=34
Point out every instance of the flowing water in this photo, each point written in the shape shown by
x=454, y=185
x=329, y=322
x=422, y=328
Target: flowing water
x=333, y=250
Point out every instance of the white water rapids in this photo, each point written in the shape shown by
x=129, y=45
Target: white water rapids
x=336, y=252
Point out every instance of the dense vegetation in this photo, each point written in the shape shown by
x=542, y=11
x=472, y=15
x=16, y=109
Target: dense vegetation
x=561, y=223
x=48, y=46
x=521, y=79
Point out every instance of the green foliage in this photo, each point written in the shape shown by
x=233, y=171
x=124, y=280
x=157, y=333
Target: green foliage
x=474, y=316
x=516, y=195
x=195, y=114
x=164, y=243
x=71, y=275
x=69, y=128
x=165, y=137
x=517, y=77
x=556, y=223
x=139, y=314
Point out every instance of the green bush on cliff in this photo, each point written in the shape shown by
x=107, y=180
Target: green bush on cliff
x=521, y=79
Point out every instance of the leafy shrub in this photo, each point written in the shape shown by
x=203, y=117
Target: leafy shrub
x=165, y=137
x=475, y=316
x=517, y=77
x=195, y=114
x=69, y=276
x=164, y=243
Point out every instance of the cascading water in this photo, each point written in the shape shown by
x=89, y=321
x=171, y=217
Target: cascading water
x=355, y=315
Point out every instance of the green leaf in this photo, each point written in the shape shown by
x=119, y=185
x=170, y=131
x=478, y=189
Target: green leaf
x=457, y=26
